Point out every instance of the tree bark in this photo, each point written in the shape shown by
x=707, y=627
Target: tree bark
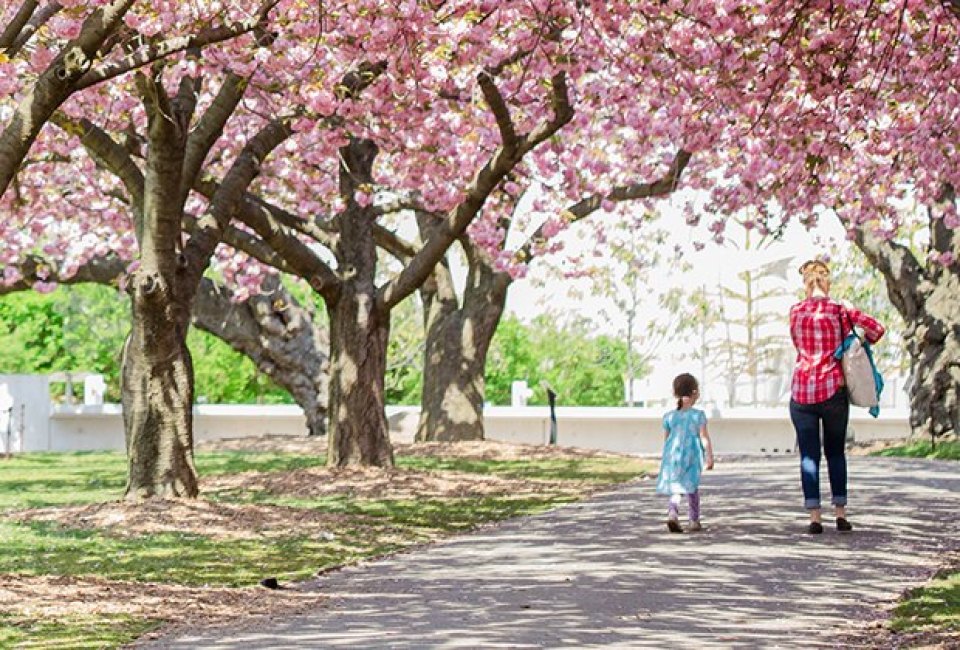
x=279, y=336
x=157, y=393
x=359, y=328
x=933, y=341
x=928, y=298
x=457, y=342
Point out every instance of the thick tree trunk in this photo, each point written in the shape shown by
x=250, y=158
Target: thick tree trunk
x=359, y=327
x=279, y=336
x=157, y=394
x=928, y=298
x=933, y=340
x=457, y=342
x=358, y=360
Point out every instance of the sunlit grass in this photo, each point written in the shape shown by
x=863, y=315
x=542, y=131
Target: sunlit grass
x=431, y=515
x=187, y=559
x=76, y=633
x=36, y=480
x=942, y=450
x=935, y=605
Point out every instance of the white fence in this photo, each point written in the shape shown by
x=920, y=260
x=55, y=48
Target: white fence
x=35, y=424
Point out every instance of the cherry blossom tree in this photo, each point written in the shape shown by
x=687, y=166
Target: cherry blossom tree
x=452, y=110
x=50, y=50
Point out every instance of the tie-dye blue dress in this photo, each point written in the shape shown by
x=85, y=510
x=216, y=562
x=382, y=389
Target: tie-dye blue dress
x=682, y=462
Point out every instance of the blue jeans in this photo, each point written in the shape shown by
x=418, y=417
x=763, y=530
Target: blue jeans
x=833, y=414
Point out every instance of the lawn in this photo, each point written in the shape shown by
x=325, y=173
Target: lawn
x=83, y=569
x=934, y=609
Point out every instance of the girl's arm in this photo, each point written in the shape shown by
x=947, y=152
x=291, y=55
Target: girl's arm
x=707, y=445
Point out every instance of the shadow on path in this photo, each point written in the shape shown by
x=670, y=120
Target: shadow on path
x=606, y=573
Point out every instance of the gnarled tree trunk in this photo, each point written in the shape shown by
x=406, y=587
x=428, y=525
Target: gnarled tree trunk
x=358, y=360
x=933, y=341
x=279, y=336
x=928, y=298
x=457, y=342
x=359, y=328
x=157, y=393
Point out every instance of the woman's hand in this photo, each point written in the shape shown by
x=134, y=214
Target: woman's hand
x=710, y=461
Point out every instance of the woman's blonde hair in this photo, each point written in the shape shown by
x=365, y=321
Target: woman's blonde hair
x=816, y=275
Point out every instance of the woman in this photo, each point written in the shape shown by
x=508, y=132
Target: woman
x=818, y=396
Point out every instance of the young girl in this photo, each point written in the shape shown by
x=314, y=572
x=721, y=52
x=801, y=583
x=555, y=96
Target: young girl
x=686, y=442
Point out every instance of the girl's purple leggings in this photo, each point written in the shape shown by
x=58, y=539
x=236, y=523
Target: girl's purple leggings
x=693, y=500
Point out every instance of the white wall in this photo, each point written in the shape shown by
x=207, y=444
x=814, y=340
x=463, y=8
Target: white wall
x=625, y=430
x=29, y=417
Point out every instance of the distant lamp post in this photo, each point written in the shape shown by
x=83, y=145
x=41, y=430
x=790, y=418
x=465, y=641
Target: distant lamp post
x=552, y=400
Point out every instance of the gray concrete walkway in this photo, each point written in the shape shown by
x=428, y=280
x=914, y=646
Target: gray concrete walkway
x=606, y=573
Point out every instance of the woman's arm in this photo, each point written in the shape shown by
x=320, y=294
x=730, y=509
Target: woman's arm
x=873, y=330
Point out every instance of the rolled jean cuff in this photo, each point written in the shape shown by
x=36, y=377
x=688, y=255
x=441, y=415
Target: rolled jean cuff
x=839, y=501
x=811, y=504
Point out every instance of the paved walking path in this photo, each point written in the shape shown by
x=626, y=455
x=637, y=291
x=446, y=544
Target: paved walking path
x=606, y=573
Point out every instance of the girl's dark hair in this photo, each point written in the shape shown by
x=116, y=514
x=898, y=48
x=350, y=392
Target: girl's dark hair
x=684, y=385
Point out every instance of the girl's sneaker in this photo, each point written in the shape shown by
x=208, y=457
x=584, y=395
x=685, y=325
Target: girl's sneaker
x=694, y=527
x=674, y=526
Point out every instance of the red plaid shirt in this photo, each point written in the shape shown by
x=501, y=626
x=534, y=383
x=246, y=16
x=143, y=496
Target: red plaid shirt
x=817, y=329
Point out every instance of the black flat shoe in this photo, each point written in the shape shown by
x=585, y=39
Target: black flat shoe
x=674, y=526
x=843, y=526
x=815, y=528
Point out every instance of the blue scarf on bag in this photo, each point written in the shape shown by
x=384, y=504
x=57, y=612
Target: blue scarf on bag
x=877, y=377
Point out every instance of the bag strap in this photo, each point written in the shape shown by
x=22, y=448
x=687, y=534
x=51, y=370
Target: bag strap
x=843, y=312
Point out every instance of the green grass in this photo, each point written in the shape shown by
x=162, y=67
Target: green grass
x=77, y=633
x=943, y=450
x=424, y=516
x=187, y=559
x=936, y=605
x=47, y=479
x=370, y=528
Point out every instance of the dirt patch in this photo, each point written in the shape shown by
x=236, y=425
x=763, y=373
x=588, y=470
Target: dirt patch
x=477, y=450
x=57, y=597
x=197, y=516
x=375, y=483
x=873, y=446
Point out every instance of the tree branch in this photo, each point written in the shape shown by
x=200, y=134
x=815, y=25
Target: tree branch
x=161, y=49
x=208, y=130
x=106, y=269
x=109, y=154
x=899, y=267
x=503, y=160
x=498, y=107
x=54, y=85
x=229, y=194
x=310, y=229
x=246, y=242
x=25, y=24
x=582, y=209
x=302, y=260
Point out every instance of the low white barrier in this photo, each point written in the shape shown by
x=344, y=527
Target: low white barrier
x=627, y=430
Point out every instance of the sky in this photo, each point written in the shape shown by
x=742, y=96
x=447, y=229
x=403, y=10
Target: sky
x=713, y=266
